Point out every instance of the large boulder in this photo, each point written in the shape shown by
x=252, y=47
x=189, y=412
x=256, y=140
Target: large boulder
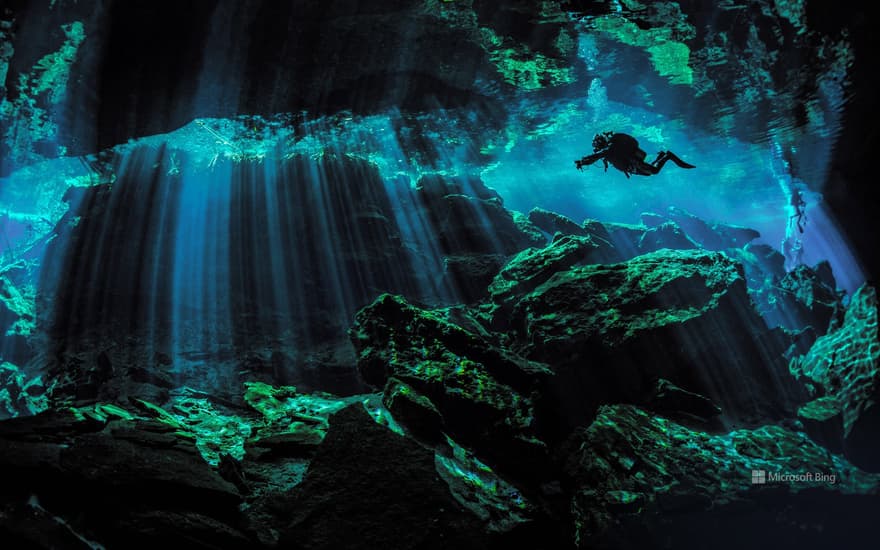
x=842, y=370
x=797, y=299
x=368, y=487
x=112, y=478
x=714, y=235
x=469, y=225
x=473, y=230
x=483, y=394
x=552, y=223
x=610, y=331
x=534, y=266
x=638, y=478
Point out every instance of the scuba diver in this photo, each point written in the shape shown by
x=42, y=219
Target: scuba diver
x=622, y=152
x=800, y=215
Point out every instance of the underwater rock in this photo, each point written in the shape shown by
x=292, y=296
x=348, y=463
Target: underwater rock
x=108, y=372
x=293, y=422
x=17, y=312
x=681, y=405
x=531, y=232
x=471, y=274
x=511, y=518
x=17, y=309
x=114, y=479
x=651, y=219
x=468, y=216
x=797, y=299
x=639, y=478
x=665, y=235
x=842, y=369
x=533, y=266
x=622, y=240
x=467, y=225
x=412, y=410
x=369, y=488
x=609, y=331
x=822, y=419
x=812, y=295
x=712, y=236
x=552, y=223
x=19, y=394
x=431, y=188
x=630, y=240
x=483, y=393
x=328, y=367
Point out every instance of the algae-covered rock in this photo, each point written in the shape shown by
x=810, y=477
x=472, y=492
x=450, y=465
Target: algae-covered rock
x=845, y=365
x=552, y=223
x=111, y=476
x=412, y=409
x=639, y=478
x=611, y=330
x=290, y=420
x=532, y=267
x=615, y=303
x=712, y=236
x=483, y=393
x=368, y=487
x=471, y=274
x=678, y=403
x=468, y=225
x=20, y=395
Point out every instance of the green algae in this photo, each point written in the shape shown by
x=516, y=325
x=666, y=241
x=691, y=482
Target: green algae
x=669, y=56
x=629, y=456
x=552, y=315
x=31, y=116
x=846, y=362
x=215, y=433
x=20, y=395
x=516, y=63
x=20, y=300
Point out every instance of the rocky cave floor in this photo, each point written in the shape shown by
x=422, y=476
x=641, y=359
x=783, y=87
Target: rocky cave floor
x=600, y=385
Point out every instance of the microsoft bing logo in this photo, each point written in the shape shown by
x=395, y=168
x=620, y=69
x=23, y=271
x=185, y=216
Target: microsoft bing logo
x=759, y=477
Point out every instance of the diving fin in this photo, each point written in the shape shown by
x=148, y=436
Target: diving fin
x=678, y=161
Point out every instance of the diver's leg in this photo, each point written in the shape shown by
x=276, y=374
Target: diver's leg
x=644, y=169
x=671, y=156
x=658, y=162
x=663, y=156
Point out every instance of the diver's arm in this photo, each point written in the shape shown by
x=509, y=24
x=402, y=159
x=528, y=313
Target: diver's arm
x=589, y=159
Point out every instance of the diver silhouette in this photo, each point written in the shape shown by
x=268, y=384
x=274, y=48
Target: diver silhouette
x=800, y=215
x=622, y=152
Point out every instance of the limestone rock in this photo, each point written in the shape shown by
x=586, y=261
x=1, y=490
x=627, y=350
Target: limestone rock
x=712, y=236
x=612, y=330
x=483, y=393
x=534, y=266
x=843, y=368
x=552, y=223
x=639, y=478
x=113, y=478
x=372, y=489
